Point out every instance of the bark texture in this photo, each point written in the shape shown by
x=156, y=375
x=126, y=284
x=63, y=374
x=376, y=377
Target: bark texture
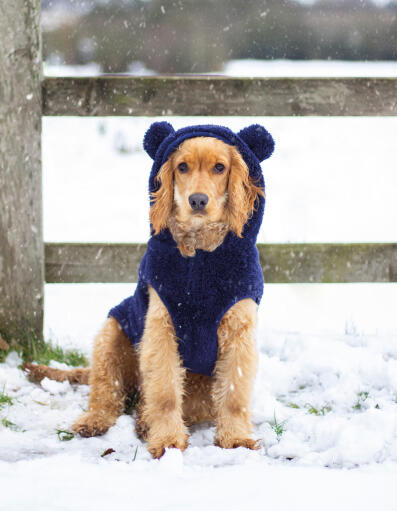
x=21, y=239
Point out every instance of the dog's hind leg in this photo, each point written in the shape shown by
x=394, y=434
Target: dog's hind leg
x=234, y=376
x=114, y=373
x=162, y=380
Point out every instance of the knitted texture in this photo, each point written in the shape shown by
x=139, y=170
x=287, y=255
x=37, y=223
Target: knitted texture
x=197, y=291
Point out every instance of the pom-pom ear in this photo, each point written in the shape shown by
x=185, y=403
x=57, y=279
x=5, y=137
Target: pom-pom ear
x=157, y=132
x=258, y=140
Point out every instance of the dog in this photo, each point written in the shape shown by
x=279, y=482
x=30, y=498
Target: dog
x=185, y=340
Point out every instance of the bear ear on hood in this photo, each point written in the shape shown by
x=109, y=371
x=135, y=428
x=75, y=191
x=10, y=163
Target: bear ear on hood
x=258, y=140
x=157, y=132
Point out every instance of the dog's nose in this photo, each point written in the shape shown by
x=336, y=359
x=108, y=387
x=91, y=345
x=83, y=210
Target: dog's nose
x=198, y=201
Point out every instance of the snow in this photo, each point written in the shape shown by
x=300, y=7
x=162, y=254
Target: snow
x=251, y=67
x=325, y=398
x=349, y=448
x=308, y=68
x=158, y=486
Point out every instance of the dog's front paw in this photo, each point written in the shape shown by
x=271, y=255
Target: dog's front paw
x=158, y=446
x=232, y=442
x=93, y=424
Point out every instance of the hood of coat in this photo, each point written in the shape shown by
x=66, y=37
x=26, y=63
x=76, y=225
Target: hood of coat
x=254, y=143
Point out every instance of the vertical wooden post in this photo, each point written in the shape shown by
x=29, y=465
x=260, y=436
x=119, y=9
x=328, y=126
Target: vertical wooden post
x=21, y=237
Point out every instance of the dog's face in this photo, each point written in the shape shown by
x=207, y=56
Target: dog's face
x=205, y=180
x=201, y=168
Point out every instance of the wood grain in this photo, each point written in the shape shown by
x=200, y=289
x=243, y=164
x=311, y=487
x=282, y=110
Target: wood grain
x=214, y=96
x=21, y=240
x=281, y=263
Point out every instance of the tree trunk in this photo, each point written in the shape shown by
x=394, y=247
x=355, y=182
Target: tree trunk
x=21, y=237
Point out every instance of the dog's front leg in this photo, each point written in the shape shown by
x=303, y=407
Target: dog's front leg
x=162, y=380
x=234, y=376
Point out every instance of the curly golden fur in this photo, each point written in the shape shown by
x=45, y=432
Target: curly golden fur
x=171, y=399
x=232, y=193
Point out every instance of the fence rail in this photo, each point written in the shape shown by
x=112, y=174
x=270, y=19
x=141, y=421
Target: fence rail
x=214, y=96
x=281, y=263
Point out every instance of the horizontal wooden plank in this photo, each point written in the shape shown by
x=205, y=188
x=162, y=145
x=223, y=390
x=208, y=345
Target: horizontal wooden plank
x=92, y=262
x=281, y=263
x=329, y=262
x=214, y=96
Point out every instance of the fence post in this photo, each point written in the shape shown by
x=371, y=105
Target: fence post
x=21, y=237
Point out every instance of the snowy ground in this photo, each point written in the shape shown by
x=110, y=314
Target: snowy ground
x=334, y=398
x=328, y=353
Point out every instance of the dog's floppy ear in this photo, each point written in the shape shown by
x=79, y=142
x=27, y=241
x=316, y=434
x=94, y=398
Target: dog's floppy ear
x=242, y=194
x=162, y=198
x=258, y=140
x=157, y=132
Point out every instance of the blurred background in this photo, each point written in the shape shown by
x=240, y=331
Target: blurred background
x=199, y=36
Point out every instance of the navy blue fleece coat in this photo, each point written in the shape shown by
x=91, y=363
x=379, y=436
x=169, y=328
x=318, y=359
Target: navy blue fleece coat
x=197, y=291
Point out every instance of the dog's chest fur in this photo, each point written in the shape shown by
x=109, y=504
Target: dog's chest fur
x=204, y=237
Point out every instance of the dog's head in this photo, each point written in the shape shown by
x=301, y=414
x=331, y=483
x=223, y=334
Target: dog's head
x=204, y=179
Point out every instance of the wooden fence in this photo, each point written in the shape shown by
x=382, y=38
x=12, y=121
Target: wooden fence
x=26, y=262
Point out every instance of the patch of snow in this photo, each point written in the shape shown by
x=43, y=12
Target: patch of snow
x=55, y=387
x=13, y=359
x=310, y=68
x=58, y=69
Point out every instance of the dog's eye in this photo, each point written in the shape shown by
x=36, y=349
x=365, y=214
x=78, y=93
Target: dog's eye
x=182, y=167
x=219, y=168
